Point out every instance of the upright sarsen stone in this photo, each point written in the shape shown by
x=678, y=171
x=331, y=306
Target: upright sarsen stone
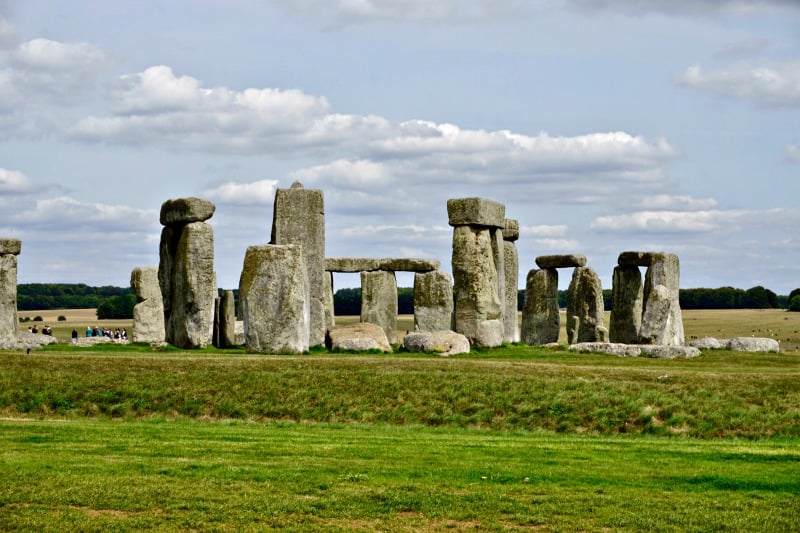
x=273, y=299
x=148, y=313
x=9, y=249
x=299, y=218
x=626, y=305
x=662, y=321
x=511, y=281
x=227, y=320
x=433, y=301
x=540, y=313
x=585, y=322
x=379, y=301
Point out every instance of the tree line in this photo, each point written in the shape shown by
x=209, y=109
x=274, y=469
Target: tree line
x=117, y=302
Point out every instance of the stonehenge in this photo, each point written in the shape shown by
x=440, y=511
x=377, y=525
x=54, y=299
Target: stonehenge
x=186, y=272
x=148, y=313
x=9, y=250
x=511, y=274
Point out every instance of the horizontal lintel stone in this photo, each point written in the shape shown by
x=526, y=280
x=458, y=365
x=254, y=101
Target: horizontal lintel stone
x=511, y=230
x=185, y=211
x=10, y=246
x=561, y=261
x=476, y=212
x=371, y=264
x=644, y=259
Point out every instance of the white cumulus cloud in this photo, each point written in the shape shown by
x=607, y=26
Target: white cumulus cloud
x=256, y=193
x=677, y=202
x=776, y=85
x=14, y=182
x=793, y=153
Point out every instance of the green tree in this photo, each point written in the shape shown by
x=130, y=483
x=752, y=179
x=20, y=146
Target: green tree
x=116, y=307
x=794, y=303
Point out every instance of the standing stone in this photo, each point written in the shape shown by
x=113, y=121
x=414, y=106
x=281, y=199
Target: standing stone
x=511, y=274
x=478, y=306
x=585, y=308
x=273, y=299
x=540, y=313
x=299, y=218
x=327, y=287
x=626, y=305
x=227, y=320
x=662, y=322
x=433, y=301
x=379, y=301
x=148, y=313
x=9, y=249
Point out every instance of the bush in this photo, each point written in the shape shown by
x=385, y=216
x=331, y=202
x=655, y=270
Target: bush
x=38, y=318
x=794, y=303
x=24, y=319
x=62, y=318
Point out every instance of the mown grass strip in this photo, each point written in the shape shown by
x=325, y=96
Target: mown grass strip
x=99, y=475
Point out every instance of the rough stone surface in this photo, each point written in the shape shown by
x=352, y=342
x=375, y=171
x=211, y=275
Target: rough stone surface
x=444, y=343
x=379, y=301
x=636, y=350
x=662, y=322
x=626, y=305
x=510, y=315
x=753, y=344
x=10, y=246
x=540, y=313
x=706, y=343
x=352, y=264
x=476, y=212
x=299, y=218
x=561, y=261
x=148, y=313
x=478, y=312
x=330, y=315
x=585, y=313
x=8, y=297
x=186, y=210
x=227, y=320
x=358, y=337
x=433, y=301
x=511, y=230
x=188, y=284
x=273, y=299
x=27, y=341
x=637, y=259
x=399, y=264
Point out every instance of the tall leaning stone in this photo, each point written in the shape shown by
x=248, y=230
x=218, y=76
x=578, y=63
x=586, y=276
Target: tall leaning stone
x=148, y=313
x=273, y=299
x=379, y=301
x=511, y=281
x=299, y=218
x=626, y=305
x=9, y=249
x=540, y=313
x=585, y=322
x=433, y=301
x=662, y=321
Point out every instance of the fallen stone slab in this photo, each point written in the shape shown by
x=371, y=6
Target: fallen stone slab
x=186, y=210
x=27, y=341
x=706, y=343
x=659, y=351
x=753, y=344
x=630, y=258
x=10, y=246
x=358, y=337
x=444, y=343
x=635, y=350
x=476, y=212
x=561, y=261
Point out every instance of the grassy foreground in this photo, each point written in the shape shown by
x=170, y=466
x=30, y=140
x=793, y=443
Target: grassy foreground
x=100, y=475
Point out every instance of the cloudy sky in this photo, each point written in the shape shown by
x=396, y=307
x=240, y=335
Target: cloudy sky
x=602, y=125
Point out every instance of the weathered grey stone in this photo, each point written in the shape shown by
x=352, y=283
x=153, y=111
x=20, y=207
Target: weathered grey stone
x=10, y=246
x=510, y=318
x=585, y=308
x=273, y=299
x=668, y=352
x=662, y=322
x=636, y=350
x=478, y=305
x=753, y=344
x=352, y=264
x=239, y=333
x=327, y=285
x=215, y=330
x=299, y=218
x=511, y=230
x=28, y=341
x=635, y=259
x=706, y=343
x=499, y=258
x=358, y=337
x=444, y=343
x=540, y=313
x=433, y=301
x=191, y=284
x=227, y=320
x=148, y=313
x=8, y=297
x=626, y=305
x=185, y=210
x=379, y=301
x=561, y=261
x=476, y=212
x=410, y=264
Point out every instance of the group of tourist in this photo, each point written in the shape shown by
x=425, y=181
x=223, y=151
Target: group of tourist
x=46, y=330
x=119, y=334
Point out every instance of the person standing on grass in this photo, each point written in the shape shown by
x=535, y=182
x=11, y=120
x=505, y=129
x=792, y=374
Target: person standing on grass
x=74, y=336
